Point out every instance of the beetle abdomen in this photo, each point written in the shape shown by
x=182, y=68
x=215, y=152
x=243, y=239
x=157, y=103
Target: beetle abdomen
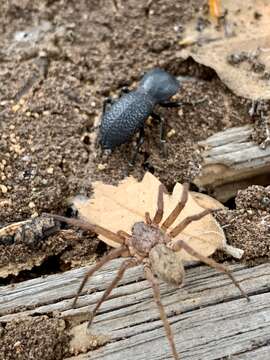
x=124, y=119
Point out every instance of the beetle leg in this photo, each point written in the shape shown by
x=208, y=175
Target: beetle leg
x=162, y=123
x=108, y=101
x=171, y=104
x=163, y=137
x=140, y=141
x=124, y=90
x=174, y=104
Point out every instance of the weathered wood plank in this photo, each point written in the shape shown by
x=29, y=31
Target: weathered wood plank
x=55, y=292
x=232, y=161
x=209, y=318
x=204, y=334
x=262, y=353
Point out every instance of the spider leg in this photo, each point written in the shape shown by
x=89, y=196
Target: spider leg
x=155, y=286
x=160, y=205
x=147, y=218
x=181, y=244
x=176, y=211
x=88, y=226
x=124, y=266
x=111, y=255
x=185, y=222
x=123, y=234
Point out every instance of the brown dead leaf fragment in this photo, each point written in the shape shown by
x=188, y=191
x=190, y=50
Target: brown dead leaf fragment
x=238, y=52
x=120, y=207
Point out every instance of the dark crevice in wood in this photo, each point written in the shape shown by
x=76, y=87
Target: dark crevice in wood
x=49, y=266
x=256, y=346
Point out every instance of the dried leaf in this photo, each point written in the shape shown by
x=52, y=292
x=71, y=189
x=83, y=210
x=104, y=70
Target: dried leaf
x=119, y=207
x=206, y=201
x=242, y=59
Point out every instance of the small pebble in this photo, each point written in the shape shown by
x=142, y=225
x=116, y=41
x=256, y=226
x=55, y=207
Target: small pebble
x=50, y=170
x=15, y=108
x=101, y=166
x=32, y=205
x=180, y=112
x=171, y=133
x=3, y=188
x=16, y=344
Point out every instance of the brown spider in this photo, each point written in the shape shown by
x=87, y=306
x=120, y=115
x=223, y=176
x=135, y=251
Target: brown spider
x=150, y=245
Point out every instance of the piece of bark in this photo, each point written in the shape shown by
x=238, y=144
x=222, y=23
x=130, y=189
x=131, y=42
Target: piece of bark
x=209, y=318
x=231, y=161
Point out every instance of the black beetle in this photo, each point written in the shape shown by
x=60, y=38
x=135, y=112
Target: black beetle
x=127, y=115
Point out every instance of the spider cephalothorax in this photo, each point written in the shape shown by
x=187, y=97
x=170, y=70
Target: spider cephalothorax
x=151, y=245
x=144, y=237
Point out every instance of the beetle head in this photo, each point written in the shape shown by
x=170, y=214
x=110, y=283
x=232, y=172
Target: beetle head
x=159, y=84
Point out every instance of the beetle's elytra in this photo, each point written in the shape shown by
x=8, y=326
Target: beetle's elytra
x=127, y=115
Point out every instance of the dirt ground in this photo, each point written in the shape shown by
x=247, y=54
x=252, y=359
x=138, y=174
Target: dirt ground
x=17, y=340
x=59, y=61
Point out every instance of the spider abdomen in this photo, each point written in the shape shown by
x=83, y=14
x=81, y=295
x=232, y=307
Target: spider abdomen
x=166, y=265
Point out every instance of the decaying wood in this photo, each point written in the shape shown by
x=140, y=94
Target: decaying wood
x=209, y=318
x=231, y=161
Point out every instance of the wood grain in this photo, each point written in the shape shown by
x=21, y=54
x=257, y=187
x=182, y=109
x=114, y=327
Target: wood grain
x=209, y=318
x=231, y=161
